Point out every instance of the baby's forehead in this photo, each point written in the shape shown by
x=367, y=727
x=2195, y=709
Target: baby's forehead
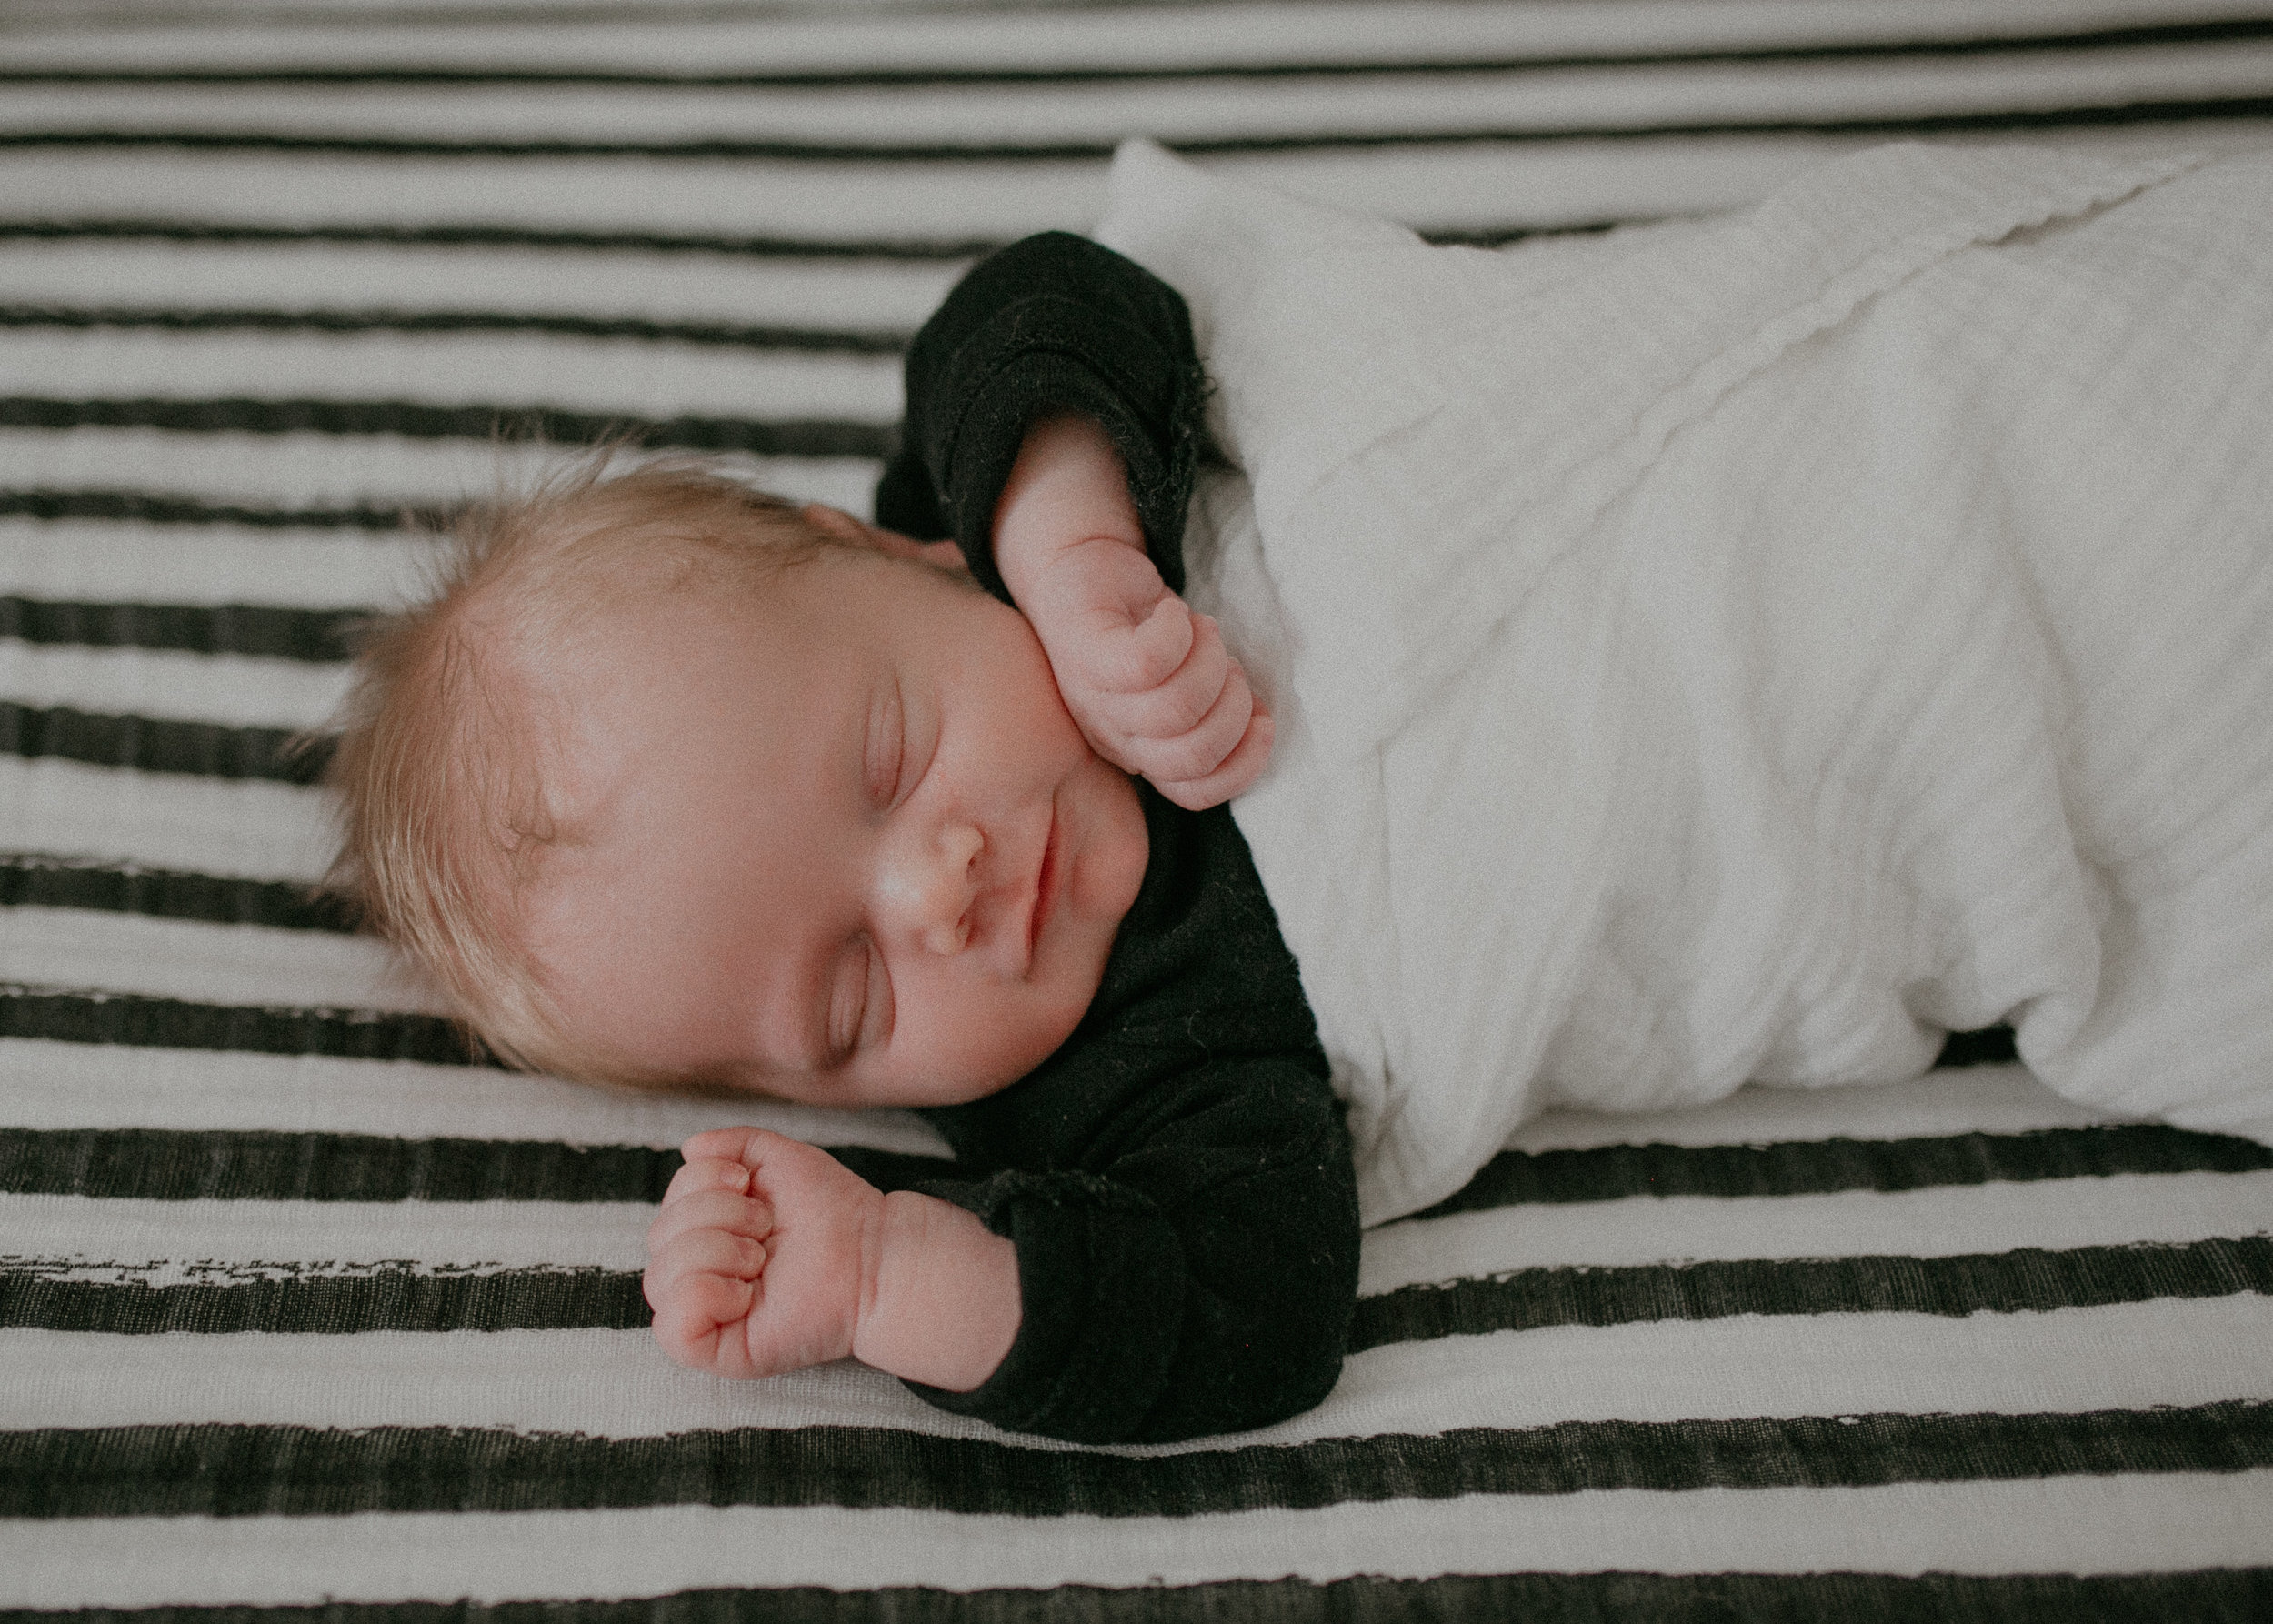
x=647, y=684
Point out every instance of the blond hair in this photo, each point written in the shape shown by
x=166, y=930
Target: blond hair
x=438, y=769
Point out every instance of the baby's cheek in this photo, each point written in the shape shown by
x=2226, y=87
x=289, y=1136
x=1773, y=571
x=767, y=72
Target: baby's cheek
x=986, y=1038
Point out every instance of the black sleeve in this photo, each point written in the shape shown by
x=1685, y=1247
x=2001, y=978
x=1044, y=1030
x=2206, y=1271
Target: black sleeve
x=1200, y=1282
x=1054, y=323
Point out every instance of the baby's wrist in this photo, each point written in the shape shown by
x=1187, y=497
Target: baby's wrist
x=942, y=1306
x=1067, y=489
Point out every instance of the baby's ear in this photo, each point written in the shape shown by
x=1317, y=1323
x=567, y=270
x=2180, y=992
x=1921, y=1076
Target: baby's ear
x=839, y=525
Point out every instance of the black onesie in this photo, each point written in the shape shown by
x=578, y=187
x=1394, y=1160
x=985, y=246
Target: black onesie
x=1176, y=1177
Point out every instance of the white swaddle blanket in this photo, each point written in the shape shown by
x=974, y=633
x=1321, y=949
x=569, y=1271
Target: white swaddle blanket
x=1748, y=649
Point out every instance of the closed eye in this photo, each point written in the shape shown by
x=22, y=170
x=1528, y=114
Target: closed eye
x=848, y=1002
x=861, y=1009
x=887, y=752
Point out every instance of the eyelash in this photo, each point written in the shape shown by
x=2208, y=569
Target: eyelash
x=844, y=1034
x=885, y=776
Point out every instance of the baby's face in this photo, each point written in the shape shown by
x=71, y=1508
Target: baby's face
x=838, y=842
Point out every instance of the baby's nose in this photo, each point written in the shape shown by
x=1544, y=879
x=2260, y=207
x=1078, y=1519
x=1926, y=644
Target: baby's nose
x=930, y=886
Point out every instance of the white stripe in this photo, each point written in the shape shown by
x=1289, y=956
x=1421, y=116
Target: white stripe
x=602, y=1383
x=235, y=690
x=612, y=377
x=97, y=562
x=1998, y=1099
x=885, y=35
x=70, y=1231
x=1192, y=110
x=2068, y=1360
x=248, y=828
x=617, y=1384
x=2139, y=1524
x=829, y=292
x=209, y=963
x=51, y=1086
x=826, y=201
x=1957, y=1220
x=1483, y=186
x=228, y=1242
x=320, y=470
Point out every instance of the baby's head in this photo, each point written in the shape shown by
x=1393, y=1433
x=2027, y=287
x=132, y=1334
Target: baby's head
x=671, y=781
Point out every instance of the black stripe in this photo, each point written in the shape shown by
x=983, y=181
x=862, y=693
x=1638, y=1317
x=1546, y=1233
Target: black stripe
x=1611, y=1172
x=1513, y=1179
x=149, y=1164
x=714, y=335
x=212, y=1470
x=153, y=1164
x=34, y=881
x=1987, y=44
x=385, y=1298
x=419, y=421
x=503, y=237
x=320, y=636
x=2027, y=1280
x=157, y=744
x=518, y=236
x=2218, y=1596
x=173, y=1023
x=2120, y=115
x=156, y=1163
x=152, y=507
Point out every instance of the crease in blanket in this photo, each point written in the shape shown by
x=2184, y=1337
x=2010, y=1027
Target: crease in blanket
x=1746, y=650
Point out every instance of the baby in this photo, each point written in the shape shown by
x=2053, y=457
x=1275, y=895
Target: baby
x=673, y=782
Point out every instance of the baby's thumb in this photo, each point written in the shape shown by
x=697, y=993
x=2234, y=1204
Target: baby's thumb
x=1146, y=654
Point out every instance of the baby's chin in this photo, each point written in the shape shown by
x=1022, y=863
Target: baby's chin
x=1005, y=1048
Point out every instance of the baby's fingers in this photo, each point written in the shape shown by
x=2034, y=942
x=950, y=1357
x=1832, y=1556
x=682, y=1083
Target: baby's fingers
x=698, y=1303
x=1239, y=770
x=709, y=1209
x=698, y=1326
x=1202, y=747
x=1124, y=656
x=744, y=1145
x=699, y=1256
x=1190, y=700
x=708, y=1173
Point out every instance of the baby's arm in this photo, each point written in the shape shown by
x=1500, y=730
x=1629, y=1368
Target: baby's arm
x=1054, y=411
x=770, y=1255
x=1149, y=680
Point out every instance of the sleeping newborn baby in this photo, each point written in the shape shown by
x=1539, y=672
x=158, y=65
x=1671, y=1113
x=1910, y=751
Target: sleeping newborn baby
x=1742, y=651
x=672, y=782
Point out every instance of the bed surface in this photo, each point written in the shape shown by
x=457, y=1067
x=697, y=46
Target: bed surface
x=300, y=1311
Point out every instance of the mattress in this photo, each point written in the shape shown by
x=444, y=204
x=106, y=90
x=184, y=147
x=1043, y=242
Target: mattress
x=302, y=1310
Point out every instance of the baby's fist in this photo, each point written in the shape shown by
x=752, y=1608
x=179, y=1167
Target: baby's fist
x=756, y=1263
x=1149, y=680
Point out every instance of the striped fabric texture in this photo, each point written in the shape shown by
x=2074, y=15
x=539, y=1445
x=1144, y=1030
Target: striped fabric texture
x=304, y=1317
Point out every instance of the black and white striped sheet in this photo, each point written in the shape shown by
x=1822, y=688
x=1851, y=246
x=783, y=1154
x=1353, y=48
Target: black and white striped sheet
x=298, y=1309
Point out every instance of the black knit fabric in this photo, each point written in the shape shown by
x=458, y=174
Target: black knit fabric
x=1054, y=323
x=1176, y=1177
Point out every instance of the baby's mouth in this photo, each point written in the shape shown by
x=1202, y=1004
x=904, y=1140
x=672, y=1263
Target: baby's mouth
x=1045, y=877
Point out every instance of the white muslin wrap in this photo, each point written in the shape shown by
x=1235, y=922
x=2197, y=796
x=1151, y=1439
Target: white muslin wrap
x=1748, y=649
